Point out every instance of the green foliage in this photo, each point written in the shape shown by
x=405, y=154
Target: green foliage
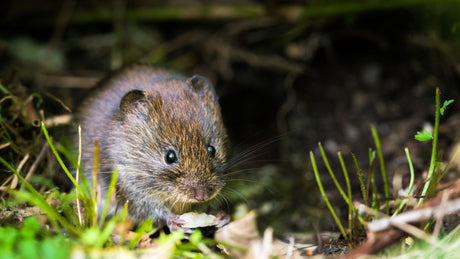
x=444, y=106
x=33, y=53
x=432, y=177
x=197, y=247
x=428, y=191
x=3, y=89
x=323, y=193
x=173, y=245
x=90, y=237
x=31, y=241
x=33, y=196
x=445, y=247
x=145, y=227
x=97, y=237
x=425, y=135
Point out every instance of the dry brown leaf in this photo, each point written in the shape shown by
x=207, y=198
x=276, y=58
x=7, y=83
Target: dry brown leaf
x=242, y=240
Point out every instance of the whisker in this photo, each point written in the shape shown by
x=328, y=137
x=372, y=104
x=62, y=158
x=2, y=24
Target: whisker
x=237, y=193
x=241, y=180
x=240, y=171
x=221, y=196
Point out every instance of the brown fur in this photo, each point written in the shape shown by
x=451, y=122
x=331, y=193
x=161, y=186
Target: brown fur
x=135, y=129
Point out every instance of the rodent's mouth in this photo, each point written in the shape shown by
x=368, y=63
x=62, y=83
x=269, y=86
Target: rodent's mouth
x=181, y=204
x=183, y=207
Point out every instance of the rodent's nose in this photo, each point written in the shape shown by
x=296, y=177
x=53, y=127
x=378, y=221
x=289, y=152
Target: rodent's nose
x=200, y=193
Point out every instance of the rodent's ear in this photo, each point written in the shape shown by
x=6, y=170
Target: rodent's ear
x=202, y=86
x=130, y=99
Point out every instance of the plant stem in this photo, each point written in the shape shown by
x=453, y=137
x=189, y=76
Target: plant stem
x=437, y=116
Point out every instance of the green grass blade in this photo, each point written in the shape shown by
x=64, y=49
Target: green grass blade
x=34, y=197
x=87, y=201
x=111, y=189
x=82, y=181
x=351, y=208
x=125, y=211
x=361, y=181
x=96, y=182
x=375, y=193
x=7, y=137
x=323, y=194
x=331, y=173
x=382, y=169
x=59, y=159
x=411, y=183
x=449, y=164
x=145, y=227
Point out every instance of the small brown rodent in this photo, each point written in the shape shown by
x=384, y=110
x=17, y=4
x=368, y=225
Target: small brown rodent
x=165, y=136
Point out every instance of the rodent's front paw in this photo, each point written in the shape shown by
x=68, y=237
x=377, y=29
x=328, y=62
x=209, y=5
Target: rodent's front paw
x=175, y=223
x=222, y=219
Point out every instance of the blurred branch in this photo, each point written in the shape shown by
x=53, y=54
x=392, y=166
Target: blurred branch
x=291, y=12
x=226, y=11
x=45, y=80
x=271, y=62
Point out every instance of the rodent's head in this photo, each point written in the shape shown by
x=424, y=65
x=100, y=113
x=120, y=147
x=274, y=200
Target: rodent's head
x=171, y=144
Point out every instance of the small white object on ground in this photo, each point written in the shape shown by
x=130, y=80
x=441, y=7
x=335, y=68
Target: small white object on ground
x=196, y=220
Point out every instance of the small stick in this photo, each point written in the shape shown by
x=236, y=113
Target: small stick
x=58, y=120
x=415, y=216
x=15, y=181
x=34, y=166
x=376, y=241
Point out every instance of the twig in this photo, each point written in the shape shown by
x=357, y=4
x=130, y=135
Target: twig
x=290, y=249
x=65, y=81
x=441, y=214
x=15, y=181
x=58, y=120
x=268, y=62
x=412, y=230
x=4, y=145
x=376, y=241
x=59, y=101
x=415, y=216
x=292, y=13
x=34, y=166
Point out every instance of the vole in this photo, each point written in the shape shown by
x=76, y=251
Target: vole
x=164, y=134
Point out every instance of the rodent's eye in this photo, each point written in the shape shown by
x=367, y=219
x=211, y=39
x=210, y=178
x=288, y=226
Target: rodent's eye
x=171, y=157
x=211, y=150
